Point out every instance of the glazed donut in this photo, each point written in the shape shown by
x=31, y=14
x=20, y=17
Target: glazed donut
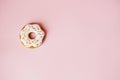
x=31, y=35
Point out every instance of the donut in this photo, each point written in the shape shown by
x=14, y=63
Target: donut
x=32, y=35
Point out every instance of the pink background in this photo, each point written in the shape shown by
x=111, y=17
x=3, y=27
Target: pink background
x=83, y=40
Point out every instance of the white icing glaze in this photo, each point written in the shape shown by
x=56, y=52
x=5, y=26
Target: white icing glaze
x=32, y=43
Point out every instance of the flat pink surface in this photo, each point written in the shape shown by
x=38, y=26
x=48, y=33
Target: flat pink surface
x=83, y=40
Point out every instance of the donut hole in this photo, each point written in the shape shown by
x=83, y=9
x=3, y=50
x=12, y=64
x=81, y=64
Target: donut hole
x=32, y=35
